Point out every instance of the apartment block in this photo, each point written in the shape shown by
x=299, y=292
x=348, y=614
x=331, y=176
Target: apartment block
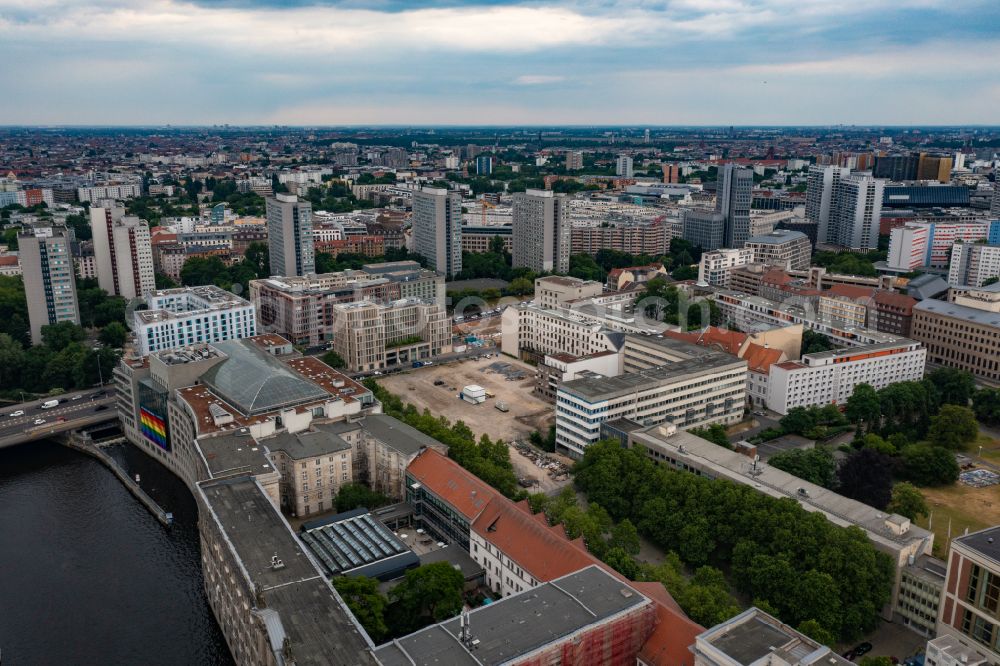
x=650, y=238
x=829, y=378
x=290, y=235
x=49, y=278
x=192, y=315
x=123, y=253
x=970, y=605
x=821, y=190
x=732, y=201
x=373, y=336
x=541, y=231
x=855, y=215
x=437, y=228
x=916, y=244
x=479, y=239
x=716, y=266
x=118, y=192
x=972, y=264
x=784, y=248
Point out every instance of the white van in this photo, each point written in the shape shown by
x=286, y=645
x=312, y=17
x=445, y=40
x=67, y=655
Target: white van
x=49, y=404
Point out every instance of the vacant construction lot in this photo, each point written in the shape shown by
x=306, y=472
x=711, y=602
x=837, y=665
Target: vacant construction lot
x=526, y=412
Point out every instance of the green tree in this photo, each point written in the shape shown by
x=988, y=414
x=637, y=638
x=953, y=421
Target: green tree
x=60, y=336
x=367, y=604
x=356, y=495
x=11, y=360
x=986, y=405
x=927, y=465
x=954, y=386
x=817, y=632
x=907, y=501
x=863, y=408
x=625, y=536
x=521, y=286
x=953, y=427
x=428, y=594
x=164, y=281
x=257, y=256
x=815, y=465
x=114, y=334
x=869, y=660
x=813, y=342
x=714, y=433
x=866, y=476
x=334, y=360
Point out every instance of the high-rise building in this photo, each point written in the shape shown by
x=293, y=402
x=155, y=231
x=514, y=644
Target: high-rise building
x=290, y=235
x=645, y=136
x=704, y=228
x=854, y=220
x=934, y=167
x=49, y=278
x=897, y=167
x=623, y=166
x=484, y=165
x=437, y=228
x=821, y=186
x=995, y=206
x=671, y=173
x=732, y=200
x=574, y=160
x=123, y=253
x=973, y=264
x=541, y=231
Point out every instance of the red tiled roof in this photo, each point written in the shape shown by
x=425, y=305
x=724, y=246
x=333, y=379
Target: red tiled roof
x=760, y=358
x=789, y=365
x=8, y=260
x=729, y=341
x=545, y=553
x=448, y=480
x=673, y=635
x=850, y=291
x=895, y=299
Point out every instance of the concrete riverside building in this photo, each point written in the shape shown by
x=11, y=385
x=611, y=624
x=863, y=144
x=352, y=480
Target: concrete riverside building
x=829, y=377
x=437, y=228
x=290, y=235
x=970, y=604
x=696, y=386
x=374, y=336
x=123, y=253
x=301, y=308
x=892, y=534
x=191, y=315
x=49, y=278
x=784, y=248
x=963, y=334
x=541, y=231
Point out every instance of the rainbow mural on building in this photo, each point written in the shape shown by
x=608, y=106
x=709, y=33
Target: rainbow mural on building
x=153, y=428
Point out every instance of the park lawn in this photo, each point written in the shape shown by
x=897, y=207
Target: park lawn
x=991, y=448
x=965, y=506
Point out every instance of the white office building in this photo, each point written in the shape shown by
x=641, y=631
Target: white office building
x=829, y=378
x=190, y=316
x=715, y=266
x=704, y=386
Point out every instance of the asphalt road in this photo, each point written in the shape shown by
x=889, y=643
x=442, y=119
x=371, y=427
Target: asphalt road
x=87, y=404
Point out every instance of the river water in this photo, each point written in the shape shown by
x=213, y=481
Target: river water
x=88, y=576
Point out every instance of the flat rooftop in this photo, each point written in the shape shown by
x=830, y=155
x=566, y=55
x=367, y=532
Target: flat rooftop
x=754, y=635
x=985, y=542
x=605, y=388
x=955, y=311
x=398, y=435
x=298, y=603
x=234, y=453
x=519, y=624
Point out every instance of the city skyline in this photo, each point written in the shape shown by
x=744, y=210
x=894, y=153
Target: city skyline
x=498, y=63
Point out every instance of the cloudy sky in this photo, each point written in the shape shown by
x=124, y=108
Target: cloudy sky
x=655, y=62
